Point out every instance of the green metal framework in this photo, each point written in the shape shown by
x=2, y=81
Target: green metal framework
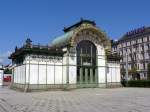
x=87, y=67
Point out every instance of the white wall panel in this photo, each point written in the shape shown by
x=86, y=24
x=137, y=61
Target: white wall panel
x=101, y=61
x=114, y=74
x=34, y=61
x=64, y=60
x=114, y=70
x=23, y=72
x=22, y=68
x=1, y=77
x=101, y=74
x=15, y=73
x=109, y=74
x=50, y=74
x=58, y=63
x=27, y=73
x=118, y=72
x=33, y=74
x=42, y=72
x=58, y=74
x=42, y=62
x=64, y=75
x=72, y=59
x=100, y=50
x=72, y=74
x=18, y=74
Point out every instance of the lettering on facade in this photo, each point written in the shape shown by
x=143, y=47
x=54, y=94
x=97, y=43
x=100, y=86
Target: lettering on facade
x=136, y=31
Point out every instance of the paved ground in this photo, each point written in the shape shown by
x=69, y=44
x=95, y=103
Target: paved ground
x=80, y=100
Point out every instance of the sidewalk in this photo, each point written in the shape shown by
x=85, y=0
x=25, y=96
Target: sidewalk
x=79, y=100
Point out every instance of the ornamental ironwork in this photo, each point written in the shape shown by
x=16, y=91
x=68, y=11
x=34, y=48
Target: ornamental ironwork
x=91, y=33
x=42, y=58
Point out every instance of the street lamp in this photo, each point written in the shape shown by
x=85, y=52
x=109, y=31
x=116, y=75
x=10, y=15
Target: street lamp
x=126, y=66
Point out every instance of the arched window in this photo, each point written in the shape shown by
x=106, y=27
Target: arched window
x=86, y=53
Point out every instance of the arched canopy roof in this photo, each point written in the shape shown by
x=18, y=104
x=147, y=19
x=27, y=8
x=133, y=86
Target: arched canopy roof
x=71, y=37
x=62, y=40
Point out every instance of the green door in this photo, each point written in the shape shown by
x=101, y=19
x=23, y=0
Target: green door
x=86, y=64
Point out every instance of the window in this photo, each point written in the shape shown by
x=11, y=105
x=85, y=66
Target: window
x=128, y=43
x=132, y=42
x=147, y=46
x=149, y=38
x=144, y=66
x=139, y=40
x=142, y=48
x=145, y=39
x=146, y=55
x=86, y=53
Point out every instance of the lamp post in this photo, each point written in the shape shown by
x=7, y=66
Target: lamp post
x=126, y=67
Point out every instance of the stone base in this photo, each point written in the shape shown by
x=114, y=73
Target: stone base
x=102, y=85
x=42, y=87
x=47, y=87
x=114, y=84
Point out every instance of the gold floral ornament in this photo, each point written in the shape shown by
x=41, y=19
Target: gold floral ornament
x=91, y=33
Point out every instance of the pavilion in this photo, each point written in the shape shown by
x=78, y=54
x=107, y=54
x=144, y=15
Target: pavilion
x=81, y=57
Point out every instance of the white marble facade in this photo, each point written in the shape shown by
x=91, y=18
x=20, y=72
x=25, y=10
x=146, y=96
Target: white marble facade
x=38, y=69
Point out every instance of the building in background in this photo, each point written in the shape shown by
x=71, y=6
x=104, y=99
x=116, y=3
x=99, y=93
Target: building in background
x=134, y=47
x=1, y=74
x=7, y=75
x=79, y=58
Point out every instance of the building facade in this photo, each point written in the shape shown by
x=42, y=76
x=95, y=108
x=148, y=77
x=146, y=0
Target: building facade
x=1, y=75
x=79, y=58
x=134, y=48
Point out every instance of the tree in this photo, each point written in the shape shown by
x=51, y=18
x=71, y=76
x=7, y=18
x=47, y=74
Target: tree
x=123, y=72
x=7, y=71
x=135, y=75
x=148, y=71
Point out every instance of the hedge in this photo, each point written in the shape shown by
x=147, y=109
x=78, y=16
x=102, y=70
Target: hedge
x=137, y=83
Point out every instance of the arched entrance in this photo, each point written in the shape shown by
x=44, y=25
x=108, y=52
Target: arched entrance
x=86, y=64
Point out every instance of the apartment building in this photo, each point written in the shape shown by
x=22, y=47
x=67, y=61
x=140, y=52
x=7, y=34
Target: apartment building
x=134, y=48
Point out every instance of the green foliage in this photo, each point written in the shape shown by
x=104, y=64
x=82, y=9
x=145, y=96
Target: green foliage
x=135, y=75
x=7, y=71
x=148, y=71
x=133, y=70
x=138, y=83
x=124, y=83
x=123, y=71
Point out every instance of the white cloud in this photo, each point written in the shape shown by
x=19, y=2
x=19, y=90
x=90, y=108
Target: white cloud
x=4, y=56
x=1, y=60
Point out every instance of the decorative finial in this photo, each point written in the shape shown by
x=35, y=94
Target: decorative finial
x=16, y=48
x=81, y=19
x=28, y=42
x=64, y=28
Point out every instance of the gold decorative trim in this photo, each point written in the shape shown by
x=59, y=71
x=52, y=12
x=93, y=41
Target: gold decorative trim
x=104, y=40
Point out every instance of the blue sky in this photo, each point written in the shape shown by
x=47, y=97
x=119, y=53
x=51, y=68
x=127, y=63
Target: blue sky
x=43, y=20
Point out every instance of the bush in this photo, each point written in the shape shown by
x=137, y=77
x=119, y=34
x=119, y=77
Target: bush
x=7, y=71
x=148, y=71
x=138, y=83
x=124, y=83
